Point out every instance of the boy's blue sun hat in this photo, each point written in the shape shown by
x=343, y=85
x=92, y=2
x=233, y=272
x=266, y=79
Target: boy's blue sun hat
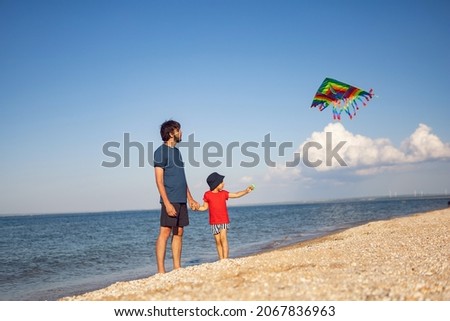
x=214, y=180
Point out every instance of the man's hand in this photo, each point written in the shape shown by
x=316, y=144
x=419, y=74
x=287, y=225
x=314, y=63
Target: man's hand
x=170, y=209
x=194, y=205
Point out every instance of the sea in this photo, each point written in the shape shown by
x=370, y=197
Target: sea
x=49, y=256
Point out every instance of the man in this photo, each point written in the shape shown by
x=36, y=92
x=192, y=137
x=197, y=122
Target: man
x=174, y=194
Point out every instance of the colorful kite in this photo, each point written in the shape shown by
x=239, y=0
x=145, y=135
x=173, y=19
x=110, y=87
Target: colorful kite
x=341, y=97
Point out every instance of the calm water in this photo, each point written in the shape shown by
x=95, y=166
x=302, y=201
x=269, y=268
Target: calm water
x=45, y=257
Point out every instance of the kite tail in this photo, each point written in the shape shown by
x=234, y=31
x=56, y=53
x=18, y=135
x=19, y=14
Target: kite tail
x=347, y=110
x=369, y=95
x=335, y=114
x=354, y=107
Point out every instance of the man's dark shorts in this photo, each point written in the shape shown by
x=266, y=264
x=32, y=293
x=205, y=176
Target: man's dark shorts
x=181, y=220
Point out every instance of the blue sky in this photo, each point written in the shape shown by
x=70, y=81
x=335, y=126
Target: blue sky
x=78, y=74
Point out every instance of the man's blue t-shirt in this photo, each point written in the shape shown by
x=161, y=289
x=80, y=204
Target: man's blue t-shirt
x=169, y=158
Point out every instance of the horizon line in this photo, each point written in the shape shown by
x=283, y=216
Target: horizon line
x=312, y=201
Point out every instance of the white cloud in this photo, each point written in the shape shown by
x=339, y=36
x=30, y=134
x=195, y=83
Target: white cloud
x=282, y=173
x=422, y=145
x=370, y=156
x=246, y=179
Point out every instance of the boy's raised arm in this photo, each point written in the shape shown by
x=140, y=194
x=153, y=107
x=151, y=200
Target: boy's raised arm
x=241, y=193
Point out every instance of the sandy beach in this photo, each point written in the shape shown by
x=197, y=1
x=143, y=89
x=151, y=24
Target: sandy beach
x=400, y=259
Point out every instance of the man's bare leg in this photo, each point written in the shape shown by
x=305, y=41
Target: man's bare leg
x=177, y=245
x=161, y=244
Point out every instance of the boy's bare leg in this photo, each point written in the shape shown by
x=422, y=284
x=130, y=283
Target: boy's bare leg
x=161, y=243
x=177, y=245
x=224, y=242
x=219, y=245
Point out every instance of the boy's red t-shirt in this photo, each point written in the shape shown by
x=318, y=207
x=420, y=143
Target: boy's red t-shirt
x=217, y=203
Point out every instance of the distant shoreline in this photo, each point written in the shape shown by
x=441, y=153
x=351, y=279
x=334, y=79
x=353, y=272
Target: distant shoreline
x=404, y=258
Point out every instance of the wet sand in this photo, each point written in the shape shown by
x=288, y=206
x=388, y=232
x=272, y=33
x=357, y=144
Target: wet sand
x=404, y=258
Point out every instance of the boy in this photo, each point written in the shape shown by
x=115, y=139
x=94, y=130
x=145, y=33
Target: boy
x=215, y=200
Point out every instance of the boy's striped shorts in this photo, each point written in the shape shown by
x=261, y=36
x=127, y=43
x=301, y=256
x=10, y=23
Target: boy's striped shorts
x=216, y=228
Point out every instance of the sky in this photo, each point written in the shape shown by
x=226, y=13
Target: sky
x=85, y=86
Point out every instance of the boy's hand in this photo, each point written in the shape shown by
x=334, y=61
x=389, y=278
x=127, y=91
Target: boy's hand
x=250, y=188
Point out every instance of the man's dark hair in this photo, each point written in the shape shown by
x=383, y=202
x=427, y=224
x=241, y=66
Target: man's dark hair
x=167, y=128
